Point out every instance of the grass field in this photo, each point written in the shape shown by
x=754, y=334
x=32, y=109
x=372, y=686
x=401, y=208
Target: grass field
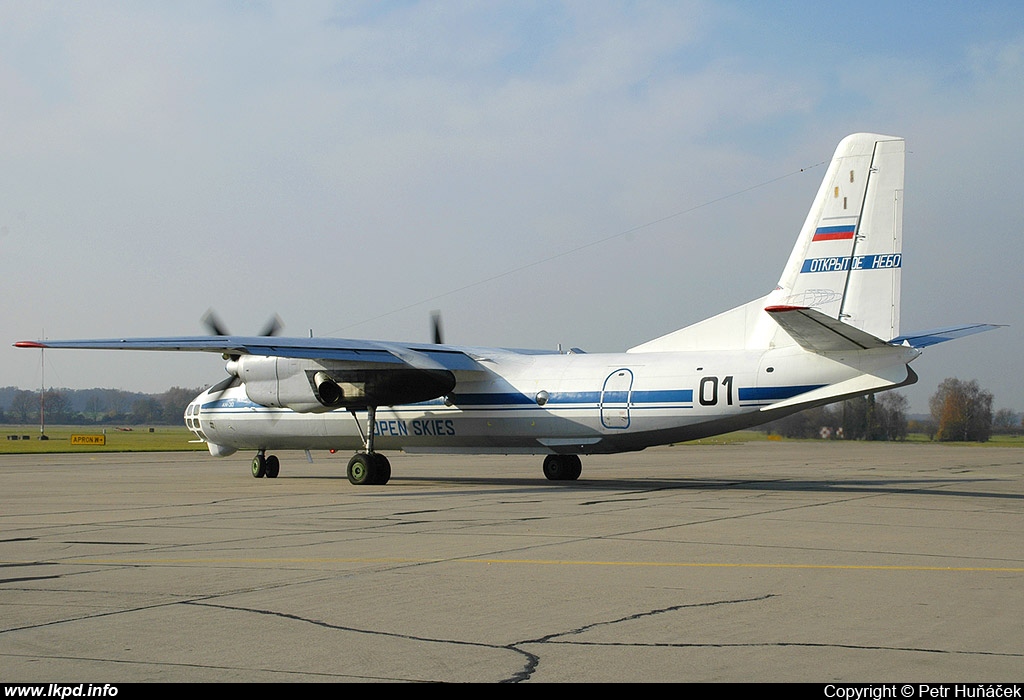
x=170, y=438
x=163, y=438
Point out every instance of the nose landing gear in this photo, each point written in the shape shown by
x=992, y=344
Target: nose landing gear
x=262, y=465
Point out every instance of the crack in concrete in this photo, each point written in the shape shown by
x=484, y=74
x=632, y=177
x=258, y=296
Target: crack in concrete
x=532, y=661
x=809, y=645
x=531, y=658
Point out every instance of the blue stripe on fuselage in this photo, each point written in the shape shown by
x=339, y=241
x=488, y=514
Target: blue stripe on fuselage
x=574, y=398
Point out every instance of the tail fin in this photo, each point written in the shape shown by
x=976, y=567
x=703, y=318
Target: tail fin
x=846, y=262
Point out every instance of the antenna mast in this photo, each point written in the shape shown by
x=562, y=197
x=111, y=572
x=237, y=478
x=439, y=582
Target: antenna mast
x=42, y=391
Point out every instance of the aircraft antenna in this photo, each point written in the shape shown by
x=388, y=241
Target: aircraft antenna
x=42, y=391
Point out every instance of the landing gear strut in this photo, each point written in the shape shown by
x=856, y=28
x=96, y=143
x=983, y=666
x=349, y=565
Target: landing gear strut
x=368, y=467
x=563, y=467
x=262, y=465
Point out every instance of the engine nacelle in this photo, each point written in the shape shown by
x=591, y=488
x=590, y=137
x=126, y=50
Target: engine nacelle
x=308, y=386
x=280, y=382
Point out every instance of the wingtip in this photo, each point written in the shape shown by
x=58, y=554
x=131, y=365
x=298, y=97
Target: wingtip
x=29, y=344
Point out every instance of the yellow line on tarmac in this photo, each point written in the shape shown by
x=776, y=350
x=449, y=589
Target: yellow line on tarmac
x=538, y=562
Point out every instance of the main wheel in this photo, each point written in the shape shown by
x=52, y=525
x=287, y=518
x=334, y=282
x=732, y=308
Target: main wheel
x=273, y=467
x=562, y=467
x=554, y=467
x=362, y=469
x=574, y=467
x=383, y=469
x=259, y=466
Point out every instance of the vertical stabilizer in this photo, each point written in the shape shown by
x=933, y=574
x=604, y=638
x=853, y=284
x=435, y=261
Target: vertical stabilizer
x=848, y=258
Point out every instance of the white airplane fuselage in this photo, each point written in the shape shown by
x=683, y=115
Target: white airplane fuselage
x=558, y=403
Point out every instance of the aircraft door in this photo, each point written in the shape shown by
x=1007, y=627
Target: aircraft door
x=616, y=395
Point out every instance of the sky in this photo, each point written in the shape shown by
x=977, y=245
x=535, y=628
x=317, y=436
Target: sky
x=590, y=174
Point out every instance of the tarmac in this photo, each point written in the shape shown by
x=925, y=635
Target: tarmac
x=759, y=562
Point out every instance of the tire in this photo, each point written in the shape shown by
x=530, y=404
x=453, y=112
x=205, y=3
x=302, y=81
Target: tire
x=562, y=467
x=554, y=468
x=575, y=467
x=362, y=469
x=383, y=469
x=273, y=467
x=259, y=466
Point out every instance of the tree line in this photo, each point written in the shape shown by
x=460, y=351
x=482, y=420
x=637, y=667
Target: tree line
x=94, y=406
x=959, y=411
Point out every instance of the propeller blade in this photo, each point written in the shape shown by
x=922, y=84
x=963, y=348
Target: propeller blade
x=435, y=319
x=273, y=326
x=216, y=327
x=213, y=323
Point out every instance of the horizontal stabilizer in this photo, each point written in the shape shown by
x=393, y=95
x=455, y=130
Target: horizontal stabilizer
x=940, y=335
x=816, y=332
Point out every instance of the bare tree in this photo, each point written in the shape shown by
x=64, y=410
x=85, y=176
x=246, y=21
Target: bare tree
x=962, y=410
x=892, y=415
x=25, y=406
x=1006, y=420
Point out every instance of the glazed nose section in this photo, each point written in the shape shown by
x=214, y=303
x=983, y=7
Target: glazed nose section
x=192, y=412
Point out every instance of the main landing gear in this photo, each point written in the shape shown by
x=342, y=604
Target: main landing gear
x=563, y=467
x=262, y=465
x=369, y=467
x=365, y=468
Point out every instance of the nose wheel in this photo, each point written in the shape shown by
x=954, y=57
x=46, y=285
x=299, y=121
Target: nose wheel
x=263, y=465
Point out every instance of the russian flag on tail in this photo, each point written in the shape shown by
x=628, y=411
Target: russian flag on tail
x=835, y=233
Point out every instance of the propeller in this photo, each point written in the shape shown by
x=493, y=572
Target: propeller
x=216, y=327
x=273, y=326
x=213, y=323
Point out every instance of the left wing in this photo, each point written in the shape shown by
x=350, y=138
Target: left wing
x=419, y=356
x=314, y=374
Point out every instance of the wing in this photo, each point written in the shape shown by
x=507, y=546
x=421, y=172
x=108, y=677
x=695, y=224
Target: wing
x=419, y=356
x=314, y=374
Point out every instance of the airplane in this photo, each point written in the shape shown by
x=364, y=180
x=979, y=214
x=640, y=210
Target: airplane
x=829, y=331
